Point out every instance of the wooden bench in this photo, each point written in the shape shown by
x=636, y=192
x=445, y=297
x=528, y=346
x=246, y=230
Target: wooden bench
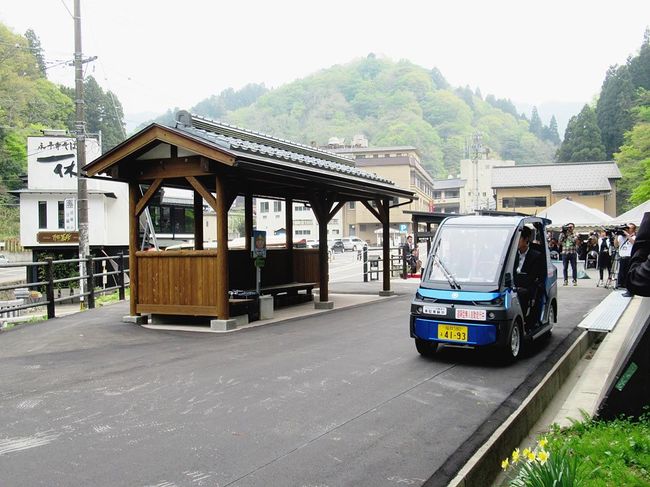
x=286, y=294
x=246, y=306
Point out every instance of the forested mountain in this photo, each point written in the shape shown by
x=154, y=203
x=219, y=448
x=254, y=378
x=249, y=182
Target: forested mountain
x=30, y=103
x=391, y=103
x=618, y=127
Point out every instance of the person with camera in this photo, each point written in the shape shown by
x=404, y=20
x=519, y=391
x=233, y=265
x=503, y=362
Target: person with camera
x=604, y=249
x=638, y=275
x=624, y=242
x=410, y=254
x=569, y=242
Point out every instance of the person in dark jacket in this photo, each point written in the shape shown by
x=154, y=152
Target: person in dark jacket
x=638, y=274
x=530, y=271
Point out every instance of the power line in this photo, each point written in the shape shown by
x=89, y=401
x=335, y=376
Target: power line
x=66, y=7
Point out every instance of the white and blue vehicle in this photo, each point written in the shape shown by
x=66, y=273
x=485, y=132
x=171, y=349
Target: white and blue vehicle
x=471, y=295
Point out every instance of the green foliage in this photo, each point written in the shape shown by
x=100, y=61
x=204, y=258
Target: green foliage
x=614, y=452
x=535, y=123
x=633, y=158
x=582, y=140
x=35, y=46
x=392, y=103
x=60, y=271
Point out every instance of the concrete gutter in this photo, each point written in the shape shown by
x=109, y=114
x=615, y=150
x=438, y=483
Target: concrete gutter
x=485, y=463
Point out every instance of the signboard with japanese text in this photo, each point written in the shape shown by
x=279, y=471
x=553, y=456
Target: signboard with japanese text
x=57, y=237
x=70, y=214
x=52, y=161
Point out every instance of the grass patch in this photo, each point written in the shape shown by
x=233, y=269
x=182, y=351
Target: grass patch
x=614, y=453
x=589, y=453
x=113, y=297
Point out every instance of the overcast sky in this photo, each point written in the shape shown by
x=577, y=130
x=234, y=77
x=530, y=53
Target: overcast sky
x=158, y=54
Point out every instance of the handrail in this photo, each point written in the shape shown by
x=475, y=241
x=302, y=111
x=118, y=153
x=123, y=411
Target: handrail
x=48, y=284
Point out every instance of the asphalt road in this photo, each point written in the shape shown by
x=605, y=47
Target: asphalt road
x=340, y=399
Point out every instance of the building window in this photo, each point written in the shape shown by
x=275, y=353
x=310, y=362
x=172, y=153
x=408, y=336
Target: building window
x=42, y=214
x=454, y=194
x=303, y=232
x=277, y=206
x=351, y=205
x=525, y=202
x=264, y=207
x=61, y=214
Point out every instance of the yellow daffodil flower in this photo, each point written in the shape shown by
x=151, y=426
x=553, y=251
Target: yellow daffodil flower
x=515, y=455
x=505, y=464
x=542, y=443
x=526, y=452
x=530, y=456
x=542, y=456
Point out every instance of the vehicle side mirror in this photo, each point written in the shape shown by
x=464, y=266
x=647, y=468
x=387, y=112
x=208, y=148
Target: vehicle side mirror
x=508, y=280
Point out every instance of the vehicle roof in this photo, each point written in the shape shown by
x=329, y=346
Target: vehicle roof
x=490, y=220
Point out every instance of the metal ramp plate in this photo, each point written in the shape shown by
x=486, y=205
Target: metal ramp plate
x=605, y=316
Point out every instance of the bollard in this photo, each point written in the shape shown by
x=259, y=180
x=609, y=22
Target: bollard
x=49, y=287
x=90, y=276
x=365, y=264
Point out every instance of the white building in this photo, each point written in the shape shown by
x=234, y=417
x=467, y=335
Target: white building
x=477, y=193
x=270, y=216
x=48, y=217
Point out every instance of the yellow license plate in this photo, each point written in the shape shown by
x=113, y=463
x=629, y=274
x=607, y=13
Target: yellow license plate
x=452, y=332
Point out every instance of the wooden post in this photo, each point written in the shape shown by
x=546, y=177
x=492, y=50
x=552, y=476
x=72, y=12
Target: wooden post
x=134, y=228
x=198, y=221
x=323, y=261
x=248, y=220
x=49, y=287
x=222, y=250
x=288, y=216
x=385, y=213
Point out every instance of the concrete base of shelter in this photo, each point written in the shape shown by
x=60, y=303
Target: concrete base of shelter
x=136, y=319
x=387, y=293
x=223, y=325
x=323, y=304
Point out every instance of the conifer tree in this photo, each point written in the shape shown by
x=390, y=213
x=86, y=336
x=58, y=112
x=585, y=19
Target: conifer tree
x=582, y=141
x=535, y=123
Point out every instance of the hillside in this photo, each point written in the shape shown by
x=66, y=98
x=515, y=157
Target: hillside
x=391, y=103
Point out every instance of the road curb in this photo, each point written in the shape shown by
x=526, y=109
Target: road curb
x=485, y=463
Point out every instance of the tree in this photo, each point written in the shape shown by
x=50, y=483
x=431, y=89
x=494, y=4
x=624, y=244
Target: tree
x=634, y=158
x=550, y=133
x=35, y=47
x=535, y=123
x=613, y=107
x=582, y=140
x=103, y=112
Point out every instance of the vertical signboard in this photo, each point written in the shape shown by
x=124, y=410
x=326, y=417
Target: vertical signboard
x=70, y=214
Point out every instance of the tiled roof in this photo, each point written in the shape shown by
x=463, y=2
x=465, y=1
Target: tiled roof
x=561, y=177
x=244, y=141
x=448, y=183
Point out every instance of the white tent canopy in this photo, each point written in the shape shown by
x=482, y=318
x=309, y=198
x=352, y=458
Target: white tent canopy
x=567, y=211
x=635, y=215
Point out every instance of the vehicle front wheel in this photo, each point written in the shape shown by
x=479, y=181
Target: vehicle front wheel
x=514, y=344
x=425, y=347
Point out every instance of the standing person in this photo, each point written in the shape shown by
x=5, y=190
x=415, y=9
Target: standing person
x=410, y=254
x=604, y=257
x=625, y=243
x=569, y=241
x=638, y=275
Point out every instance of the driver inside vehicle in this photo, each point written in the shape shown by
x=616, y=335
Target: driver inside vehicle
x=530, y=270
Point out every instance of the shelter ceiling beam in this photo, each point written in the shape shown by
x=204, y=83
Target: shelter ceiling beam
x=144, y=201
x=168, y=168
x=162, y=134
x=372, y=210
x=201, y=189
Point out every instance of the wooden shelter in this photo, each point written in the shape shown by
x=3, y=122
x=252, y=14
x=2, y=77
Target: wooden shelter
x=219, y=162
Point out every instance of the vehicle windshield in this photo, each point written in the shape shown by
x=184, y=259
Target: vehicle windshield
x=468, y=254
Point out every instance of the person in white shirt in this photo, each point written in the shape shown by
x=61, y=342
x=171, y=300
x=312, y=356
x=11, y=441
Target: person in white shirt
x=604, y=248
x=625, y=243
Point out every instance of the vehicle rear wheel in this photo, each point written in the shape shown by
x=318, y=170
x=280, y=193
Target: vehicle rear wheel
x=425, y=347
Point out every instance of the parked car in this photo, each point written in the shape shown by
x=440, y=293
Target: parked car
x=336, y=245
x=353, y=243
x=3, y=259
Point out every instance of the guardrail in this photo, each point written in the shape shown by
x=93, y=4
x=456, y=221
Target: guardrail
x=373, y=265
x=48, y=284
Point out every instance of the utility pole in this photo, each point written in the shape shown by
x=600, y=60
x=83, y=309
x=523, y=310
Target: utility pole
x=80, y=125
